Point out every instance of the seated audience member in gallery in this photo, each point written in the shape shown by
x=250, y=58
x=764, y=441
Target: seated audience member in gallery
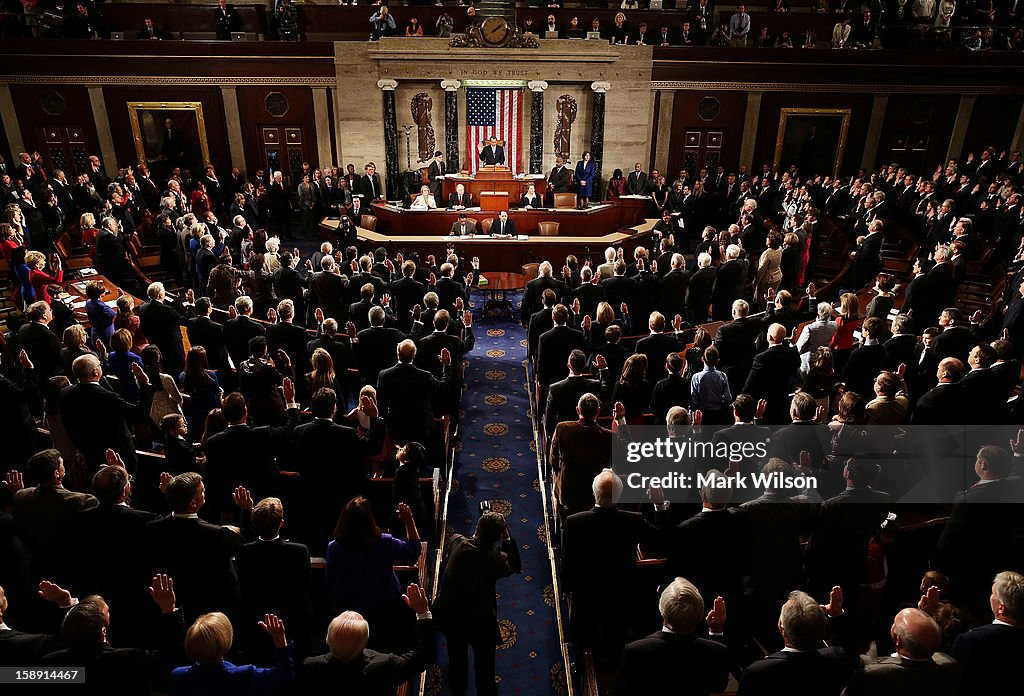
x=349, y=667
x=149, y=32
x=425, y=200
x=675, y=655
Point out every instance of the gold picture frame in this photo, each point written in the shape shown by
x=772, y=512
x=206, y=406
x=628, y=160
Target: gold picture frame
x=186, y=146
x=795, y=144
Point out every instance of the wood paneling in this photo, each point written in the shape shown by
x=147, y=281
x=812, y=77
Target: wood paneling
x=252, y=109
x=772, y=104
x=916, y=130
x=57, y=107
x=993, y=122
x=713, y=138
x=117, y=99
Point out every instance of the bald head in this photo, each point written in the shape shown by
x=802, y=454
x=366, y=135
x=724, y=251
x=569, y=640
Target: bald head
x=87, y=368
x=915, y=634
x=347, y=636
x=607, y=488
x=776, y=334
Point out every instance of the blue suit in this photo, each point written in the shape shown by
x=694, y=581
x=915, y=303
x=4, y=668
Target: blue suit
x=226, y=678
x=585, y=172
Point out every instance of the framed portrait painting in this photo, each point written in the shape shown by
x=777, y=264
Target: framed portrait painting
x=169, y=135
x=812, y=139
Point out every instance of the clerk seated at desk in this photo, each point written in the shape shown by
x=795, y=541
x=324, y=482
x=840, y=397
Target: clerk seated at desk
x=463, y=227
x=530, y=199
x=424, y=201
x=501, y=226
x=491, y=153
x=460, y=199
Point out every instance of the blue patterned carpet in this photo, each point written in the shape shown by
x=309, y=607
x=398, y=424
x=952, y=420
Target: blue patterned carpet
x=496, y=461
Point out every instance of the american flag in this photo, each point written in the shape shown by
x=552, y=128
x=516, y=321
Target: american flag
x=494, y=113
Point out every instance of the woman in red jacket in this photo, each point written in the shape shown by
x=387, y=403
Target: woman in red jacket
x=848, y=321
x=39, y=278
x=87, y=224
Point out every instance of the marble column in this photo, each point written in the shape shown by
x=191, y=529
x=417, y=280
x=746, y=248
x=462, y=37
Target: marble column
x=537, y=88
x=878, y=106
x=390, y=138
x=750, y=121
x=597, y=136
x=451, y=123
x=1018, y=134
x=10, y=120
x=103, y=132
x=233, y=121
x=322, y=116
x=963, y=119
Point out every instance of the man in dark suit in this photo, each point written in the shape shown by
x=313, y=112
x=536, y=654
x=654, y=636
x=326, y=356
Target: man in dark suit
x=599, y=557
x=460, y=199
x=357, y=210
x=285, y=335
x=407, y=292
x=619, y=290
x=540, y=322
x=699, y=290
x=375, y=346
x=956, y=340
x=406, y=394
x=289, y=284
x=204, y=331
x=563, y=396
x=466, y=604
x=240, y=329
x=39, y=342
x=990, y=654
x=658, y=344
x=984, y=387
x=736, y=343
x=804, y=667
x=436, y=171
x=227, y=20
x=21, y=648
x=983, y=533
x=578, y=452
x=772, y=375
x=273, y=576
x=902, y=346
x=867, y=257
x=590, y=293
x=943, y=403
x=44, y=514
x=149, y=32
x=350, y=668
x=674, y=660
x=161, y=323
x=674, y=284
x=554, y=347
x=729, y=281
x=97, y=419
x=491, y=153
x=918, y=296
x=340, y=350
x=330, y=288
x=636, y=182
x=449, y=289
x=535, y=290
x=108, y=538
x=198, y=555
x=866, y=361
x=837, y=551
x=370, y=187
x=501, y=226
x=559, y=180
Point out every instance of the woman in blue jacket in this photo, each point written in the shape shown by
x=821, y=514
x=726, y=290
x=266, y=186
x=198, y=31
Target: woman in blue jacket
x=584, y=180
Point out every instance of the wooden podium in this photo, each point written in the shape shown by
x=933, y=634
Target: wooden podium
x=494, y=200
x=490, y=179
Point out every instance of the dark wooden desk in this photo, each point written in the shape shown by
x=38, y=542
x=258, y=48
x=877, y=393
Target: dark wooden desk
x=598, y=220
x=502, y=254
x=515, y=188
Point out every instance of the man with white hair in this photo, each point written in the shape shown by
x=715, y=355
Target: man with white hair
x=700, y=289
x=916, y=667
x=735, y=341
x=161, y=323
x=990, y=654
x=607, y=269
x=406, y=394
x=713, y=548
x=729, y=281
x=599, y=561
x=349, y=667
x=673, y=660
x=535, y=288
x=280, y=207
x=815, y=335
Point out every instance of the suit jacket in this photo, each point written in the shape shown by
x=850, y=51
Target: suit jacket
x=578, y=452
x=942, y=404
x=372, y=673
x=45, y=517
x=466, y=601
x=657, y=347
x=376, y=350
x=713, y=550
x=954, y=342
x=97, y=418
x=462, y=227
x=43, y=348
x=619, y=289
x=405, y=396
x=867, y=259
x=729, y=281
x=563, y=397
x=776, y=522
x=683, y=665
x=407, y=293
x=674, y=285
x=772, y=374
x=862, y=367
x=540, y=323
x=493, y=154
x=985, y=405
x=465, y=200
x=822, y=672
x=227, y=21
x=893, y=676
x=274, y=579
x=20, y=649
x=205, y=332
x=560, y=180
x=636, y=183
x=330, y=290
x=736, y=343
x=553, y=349
x=161, y=323
x=532, y=296
x=497, y=228
x=198, y=556
x=837, y=551
x=371, y=190
x=237, y=334
x=901, y=349
x=698, y=294
x=589, y=295
x=990, y=658
x=292, y=339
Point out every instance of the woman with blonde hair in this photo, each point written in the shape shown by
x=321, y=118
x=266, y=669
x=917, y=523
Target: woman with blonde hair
x=272, y=259
x=820, y=380
x=40, y=279
x=8, y=241
x=74, y=340
x=322, y=376
x=209, y=639
x=120, y=360
x=769, y=269
x=87, y=225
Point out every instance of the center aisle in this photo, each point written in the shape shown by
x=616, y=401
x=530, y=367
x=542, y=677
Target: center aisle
x=496, y=460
